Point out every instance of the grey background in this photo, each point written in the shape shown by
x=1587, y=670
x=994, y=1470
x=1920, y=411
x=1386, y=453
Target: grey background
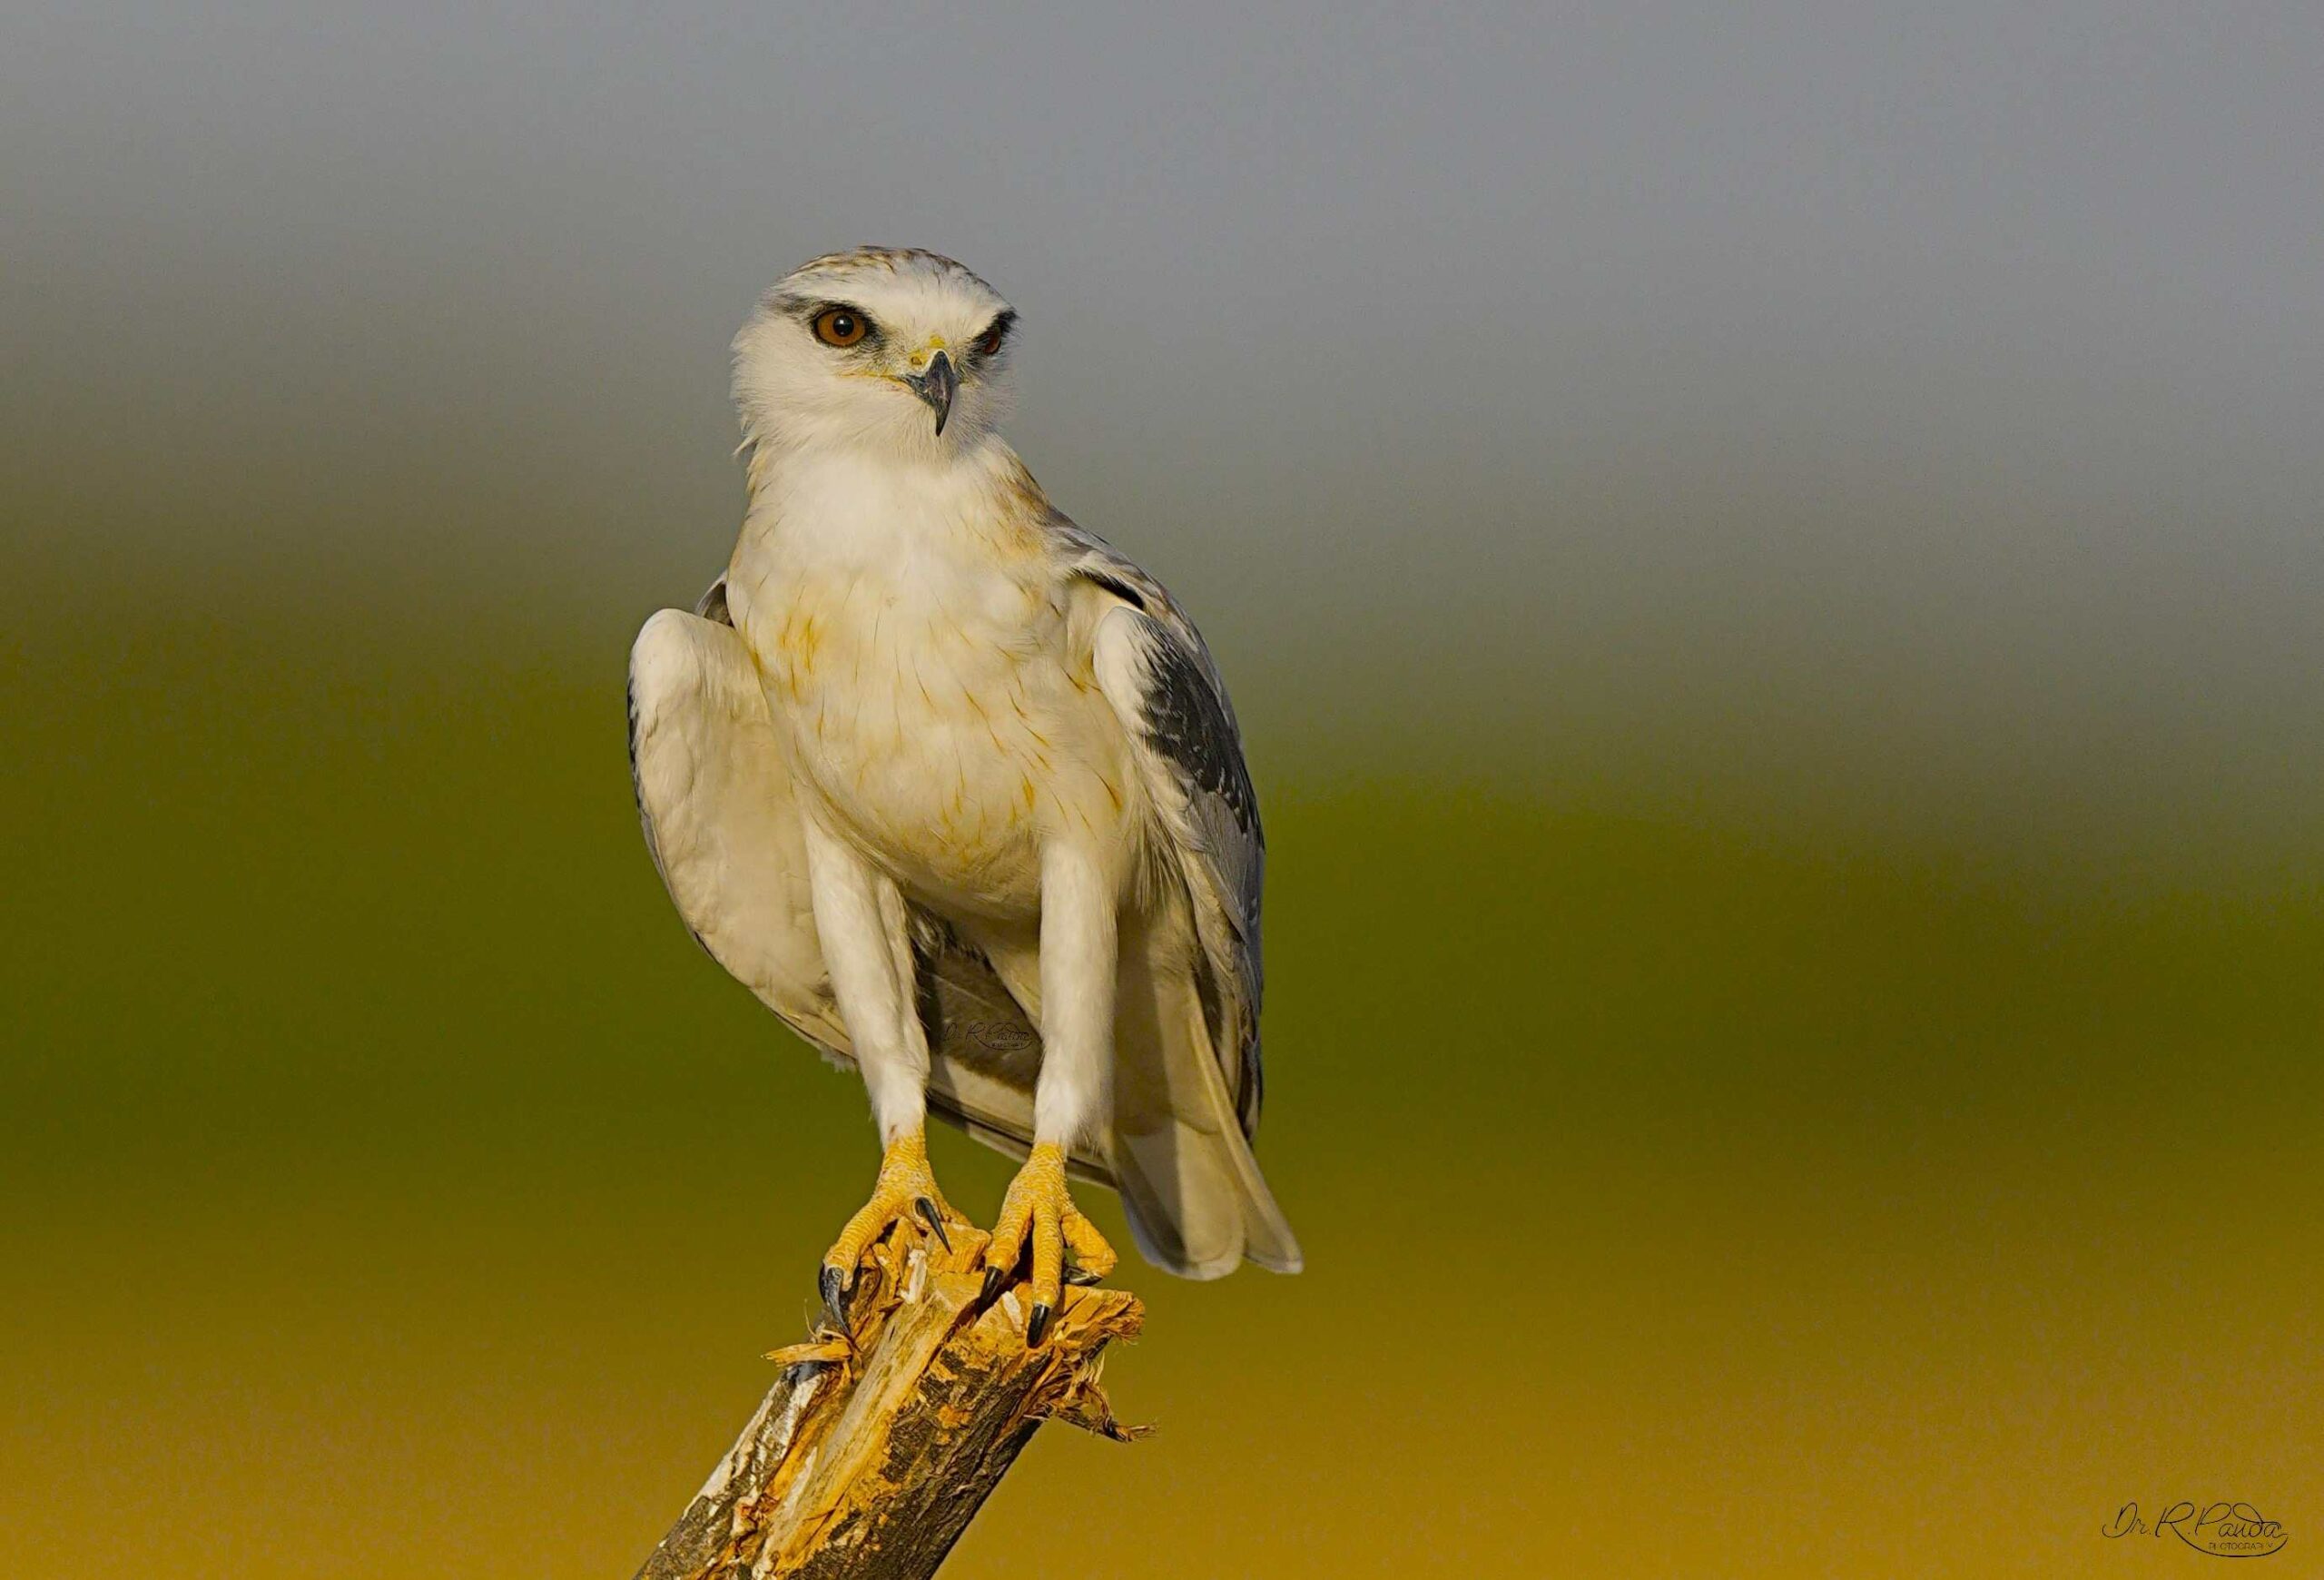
x=1906, y=415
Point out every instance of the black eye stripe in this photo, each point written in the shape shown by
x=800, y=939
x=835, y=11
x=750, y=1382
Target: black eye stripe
x=996, y=334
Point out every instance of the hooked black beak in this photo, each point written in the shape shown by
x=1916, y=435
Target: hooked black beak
x=937, y=387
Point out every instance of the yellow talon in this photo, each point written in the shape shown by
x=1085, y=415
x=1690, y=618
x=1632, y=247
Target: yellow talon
x=1038, y=1205
x=906, y=1187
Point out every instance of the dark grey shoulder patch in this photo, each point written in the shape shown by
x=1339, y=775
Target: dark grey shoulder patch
x=1188, y=722
x=1117, y=586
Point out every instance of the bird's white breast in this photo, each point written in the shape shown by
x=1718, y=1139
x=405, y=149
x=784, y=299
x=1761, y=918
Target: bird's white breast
x=912, y=635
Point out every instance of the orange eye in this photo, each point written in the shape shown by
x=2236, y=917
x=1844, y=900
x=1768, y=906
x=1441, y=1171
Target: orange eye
x=989, y=342
x=841, y=326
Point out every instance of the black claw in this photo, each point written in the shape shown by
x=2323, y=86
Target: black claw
x=1038, y=1325
x=833, y=1283
x=935, y=1220
x=993, y=1279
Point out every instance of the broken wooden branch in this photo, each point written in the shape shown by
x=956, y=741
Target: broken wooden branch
x=870, y=1454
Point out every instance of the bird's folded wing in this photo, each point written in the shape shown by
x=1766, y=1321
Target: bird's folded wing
x=1188, y=1072
x=716, y=803
x=1154, y=668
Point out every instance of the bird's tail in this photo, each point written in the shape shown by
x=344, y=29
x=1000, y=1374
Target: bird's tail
x=1196, y=1201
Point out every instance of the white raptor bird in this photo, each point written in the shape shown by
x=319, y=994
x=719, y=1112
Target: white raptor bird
x=956, y=790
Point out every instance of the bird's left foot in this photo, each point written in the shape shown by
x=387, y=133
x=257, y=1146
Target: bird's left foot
x=906, y=1189
x=1037, y=1208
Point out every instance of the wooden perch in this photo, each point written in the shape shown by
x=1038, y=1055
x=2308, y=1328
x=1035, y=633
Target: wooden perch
x=869, y=1457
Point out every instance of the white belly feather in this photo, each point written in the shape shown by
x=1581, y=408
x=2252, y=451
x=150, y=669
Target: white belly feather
x=915, y=661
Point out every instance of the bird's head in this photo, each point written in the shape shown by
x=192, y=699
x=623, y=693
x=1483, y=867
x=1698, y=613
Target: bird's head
x=880, y=347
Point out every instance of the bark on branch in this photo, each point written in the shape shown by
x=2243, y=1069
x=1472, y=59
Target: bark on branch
x=869, y=1457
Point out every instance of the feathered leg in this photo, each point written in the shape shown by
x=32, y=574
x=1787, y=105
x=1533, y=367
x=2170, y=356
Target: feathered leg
x=859, y=916
x=1074, y=1094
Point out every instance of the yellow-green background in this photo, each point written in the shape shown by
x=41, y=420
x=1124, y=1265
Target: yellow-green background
x=1772, y=570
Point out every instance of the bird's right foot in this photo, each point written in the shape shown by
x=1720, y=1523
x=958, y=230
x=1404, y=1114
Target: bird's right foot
x=1039, y=1216
x=906, y=1189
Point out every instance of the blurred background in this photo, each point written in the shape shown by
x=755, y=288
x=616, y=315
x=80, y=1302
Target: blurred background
x=1770, y=561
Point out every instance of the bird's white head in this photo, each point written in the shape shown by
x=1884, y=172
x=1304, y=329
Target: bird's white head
x=888, y=349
